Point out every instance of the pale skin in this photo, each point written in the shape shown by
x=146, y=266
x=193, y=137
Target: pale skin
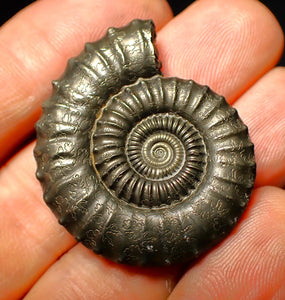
x=232, y=46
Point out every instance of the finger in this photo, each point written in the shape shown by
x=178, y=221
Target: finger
x=250, y=264
x=31, y=238
x=80, y=274
x=262, y=108
x=227, y=45
x=36, y=44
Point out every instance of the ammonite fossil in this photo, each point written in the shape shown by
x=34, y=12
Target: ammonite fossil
x=142, y=169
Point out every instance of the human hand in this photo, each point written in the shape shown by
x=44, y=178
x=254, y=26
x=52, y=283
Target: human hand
x=232, y=46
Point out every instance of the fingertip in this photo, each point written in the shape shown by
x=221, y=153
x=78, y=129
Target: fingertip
x=227, y=45
x=262, y=108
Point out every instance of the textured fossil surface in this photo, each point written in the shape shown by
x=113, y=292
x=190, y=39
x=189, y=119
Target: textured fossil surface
x=142, y=169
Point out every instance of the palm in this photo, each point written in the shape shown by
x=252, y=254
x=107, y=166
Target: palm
x=231, y=46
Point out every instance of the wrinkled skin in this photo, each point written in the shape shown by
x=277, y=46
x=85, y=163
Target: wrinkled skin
x=232, y=46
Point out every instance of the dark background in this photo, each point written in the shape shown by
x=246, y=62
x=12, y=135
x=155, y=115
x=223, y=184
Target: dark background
x=9, y=8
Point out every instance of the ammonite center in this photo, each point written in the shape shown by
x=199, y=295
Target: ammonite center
x=154, y=152
x=158, y=161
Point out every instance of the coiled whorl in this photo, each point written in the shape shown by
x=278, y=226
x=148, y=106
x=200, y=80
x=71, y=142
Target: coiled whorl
x=142, y=169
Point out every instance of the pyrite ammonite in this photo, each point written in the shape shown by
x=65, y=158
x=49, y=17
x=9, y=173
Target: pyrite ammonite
x=142, y=169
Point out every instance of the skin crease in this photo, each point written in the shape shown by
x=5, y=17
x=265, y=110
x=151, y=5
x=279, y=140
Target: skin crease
x=235, y=54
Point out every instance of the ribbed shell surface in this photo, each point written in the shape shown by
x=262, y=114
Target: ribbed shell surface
x=142, y=169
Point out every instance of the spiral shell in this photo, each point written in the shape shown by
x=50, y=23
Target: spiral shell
x=142, y=169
